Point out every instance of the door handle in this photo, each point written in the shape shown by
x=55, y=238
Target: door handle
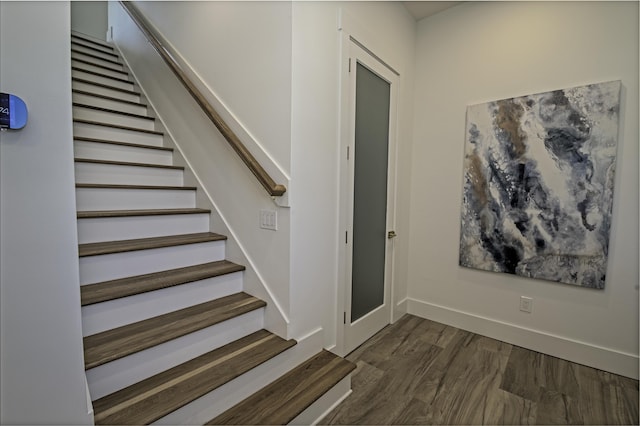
x=391, y=234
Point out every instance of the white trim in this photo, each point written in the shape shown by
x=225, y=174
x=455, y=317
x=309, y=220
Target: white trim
x=354, y=41
x=376, y=57
x=625, y=364
x=399, y=310
x=88, y=395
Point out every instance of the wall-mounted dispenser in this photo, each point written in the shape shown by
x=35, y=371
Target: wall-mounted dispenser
x=13, y=112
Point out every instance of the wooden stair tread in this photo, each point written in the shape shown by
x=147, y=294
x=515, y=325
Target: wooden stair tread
x=129, y=286
x=106, y=86
x=157, y=396
x=83, y=37
x=132, y=145
x=110, y=247
x=122, y=341
x=95, y=49
x=117, y=126
x=99, y=74
x=110, y=98
x=113, y=111
x=94, y=214
x=109, y=50
x=281, y=401
x=82, y=61
x=96, y=57
x=121, y=186
x=127, y=163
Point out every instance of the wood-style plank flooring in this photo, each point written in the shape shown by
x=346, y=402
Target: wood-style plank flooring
x=418, y=371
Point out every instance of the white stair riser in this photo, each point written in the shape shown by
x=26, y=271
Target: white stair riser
x=97, y=61
x=102, y=80
x=116, y=313
x=101, y=70
x=226, y=396
x=89, y=199
x=78, y=42
x=107, y=103
x=116, y=134
x=82, y=113
x=87, y=41
x=94, y=269
x=127, y=175
x=125, y=228
x=126, y=371
x=91, y=88
x=111, y=152
x=91, y=51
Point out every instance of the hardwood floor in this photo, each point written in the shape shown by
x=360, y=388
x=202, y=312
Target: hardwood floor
x=418, y=371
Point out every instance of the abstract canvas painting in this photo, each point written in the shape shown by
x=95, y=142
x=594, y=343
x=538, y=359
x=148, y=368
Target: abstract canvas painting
x=538, y=184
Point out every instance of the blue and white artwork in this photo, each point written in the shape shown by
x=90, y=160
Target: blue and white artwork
x=538, y=184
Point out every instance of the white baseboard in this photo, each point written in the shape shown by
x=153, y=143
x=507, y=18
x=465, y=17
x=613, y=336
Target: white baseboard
x=617, y=362
x=399, y=310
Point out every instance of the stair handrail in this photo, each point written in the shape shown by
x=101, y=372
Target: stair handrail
x=250, y=161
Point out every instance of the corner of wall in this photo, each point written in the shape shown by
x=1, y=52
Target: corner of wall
x=457, y=65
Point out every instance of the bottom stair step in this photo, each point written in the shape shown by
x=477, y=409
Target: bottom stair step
x=283, y=400
x=157, y=396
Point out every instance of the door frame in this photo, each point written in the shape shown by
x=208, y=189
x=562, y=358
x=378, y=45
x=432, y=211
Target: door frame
x=351, y=35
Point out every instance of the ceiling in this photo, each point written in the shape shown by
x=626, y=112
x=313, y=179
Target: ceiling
x=423, y=9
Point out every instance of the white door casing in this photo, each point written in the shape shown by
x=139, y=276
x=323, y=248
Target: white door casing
x=355, y=332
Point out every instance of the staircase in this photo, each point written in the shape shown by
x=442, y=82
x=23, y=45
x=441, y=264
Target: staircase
x=167, y=328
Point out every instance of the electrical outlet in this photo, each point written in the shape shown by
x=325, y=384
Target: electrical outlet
x=269, y=220
x=526, y=304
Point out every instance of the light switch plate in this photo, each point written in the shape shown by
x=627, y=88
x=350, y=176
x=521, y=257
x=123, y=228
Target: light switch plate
x=269, y=219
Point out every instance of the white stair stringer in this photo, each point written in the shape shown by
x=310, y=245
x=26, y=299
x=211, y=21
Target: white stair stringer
x=93, y=230
x=133, y=199
x=95, y=269
x=105, y=316
x=115, y=152
x=115, y=375
x=217, y=401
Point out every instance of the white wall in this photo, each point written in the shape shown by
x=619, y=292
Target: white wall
x=42, y=365
x=388, y=30
x=479, y=52
x=242, y=52
x=89, y=17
